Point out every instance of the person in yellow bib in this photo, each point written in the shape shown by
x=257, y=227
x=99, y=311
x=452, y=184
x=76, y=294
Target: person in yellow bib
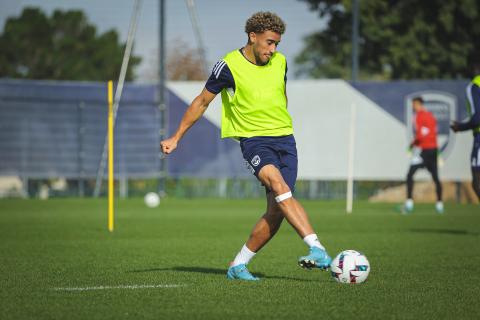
x=252, y=82
x=473, y=123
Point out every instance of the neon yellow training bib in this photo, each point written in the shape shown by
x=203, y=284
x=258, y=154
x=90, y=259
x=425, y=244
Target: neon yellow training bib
x=258, y=107
x=470, y=107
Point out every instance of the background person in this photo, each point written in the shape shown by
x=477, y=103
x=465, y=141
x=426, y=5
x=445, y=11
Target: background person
x=425, y=153
x=472, y=123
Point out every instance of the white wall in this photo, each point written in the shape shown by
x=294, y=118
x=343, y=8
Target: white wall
x=321, y=112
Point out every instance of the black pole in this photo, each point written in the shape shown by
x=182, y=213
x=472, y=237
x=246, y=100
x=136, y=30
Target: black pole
x=162, y=106
x=355, y=7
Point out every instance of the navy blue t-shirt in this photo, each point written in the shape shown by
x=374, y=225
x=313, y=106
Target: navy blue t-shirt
x=222, y=77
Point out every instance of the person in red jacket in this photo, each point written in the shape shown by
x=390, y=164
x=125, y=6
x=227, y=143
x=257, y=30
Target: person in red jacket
x=424, y=147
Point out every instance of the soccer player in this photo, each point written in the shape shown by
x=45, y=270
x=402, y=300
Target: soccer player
x=425, y=143
x=473, y=123
x=252, y=83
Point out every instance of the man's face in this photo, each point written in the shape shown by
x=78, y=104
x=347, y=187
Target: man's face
x=416, y=105
x=264, y=45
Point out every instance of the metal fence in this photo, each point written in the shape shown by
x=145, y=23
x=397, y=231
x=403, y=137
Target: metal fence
x=57, y=130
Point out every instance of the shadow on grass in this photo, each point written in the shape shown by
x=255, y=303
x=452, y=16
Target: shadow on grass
x=446, y=231
x=216, y=271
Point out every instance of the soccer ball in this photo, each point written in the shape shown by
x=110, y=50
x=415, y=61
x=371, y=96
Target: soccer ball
x=350, y=266
x=152, y=199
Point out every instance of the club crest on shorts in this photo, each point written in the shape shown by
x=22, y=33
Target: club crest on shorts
x=255, y=160
x=443, y=106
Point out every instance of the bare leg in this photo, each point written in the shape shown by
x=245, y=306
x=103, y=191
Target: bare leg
x=267, y=226
x=290, y=208
x=263, y=231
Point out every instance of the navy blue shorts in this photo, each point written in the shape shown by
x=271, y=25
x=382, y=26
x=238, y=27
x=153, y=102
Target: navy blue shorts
x=475, y=156
x=279, y=151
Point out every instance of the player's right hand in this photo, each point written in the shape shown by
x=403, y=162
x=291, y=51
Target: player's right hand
x=454, y=126
x=168, y=145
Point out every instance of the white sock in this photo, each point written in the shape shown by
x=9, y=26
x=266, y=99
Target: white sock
x=439, y=205
x=312, y=241
x=409, y=204
x=243, y=257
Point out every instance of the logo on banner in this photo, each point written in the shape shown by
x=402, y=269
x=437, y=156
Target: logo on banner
x=443, y=106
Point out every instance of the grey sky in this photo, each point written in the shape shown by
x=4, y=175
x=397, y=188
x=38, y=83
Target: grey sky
x=221, y=23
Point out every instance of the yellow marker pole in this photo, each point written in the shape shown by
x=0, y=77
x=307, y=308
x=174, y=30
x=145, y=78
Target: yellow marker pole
x=110, y=156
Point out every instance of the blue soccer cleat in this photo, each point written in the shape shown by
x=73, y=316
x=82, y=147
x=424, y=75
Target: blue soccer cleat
x=240, y=272
x=317, y=258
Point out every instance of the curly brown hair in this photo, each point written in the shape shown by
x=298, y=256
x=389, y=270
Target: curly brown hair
x=265, y=21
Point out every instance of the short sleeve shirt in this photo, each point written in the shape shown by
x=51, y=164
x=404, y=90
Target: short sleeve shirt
x=221, y=78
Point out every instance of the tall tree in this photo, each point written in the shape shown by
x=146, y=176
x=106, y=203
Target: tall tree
x=183, y=63
x=63, y=46
x=399, y=39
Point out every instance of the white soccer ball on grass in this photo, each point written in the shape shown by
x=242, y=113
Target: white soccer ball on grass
x=152, y=200
x=350, y=266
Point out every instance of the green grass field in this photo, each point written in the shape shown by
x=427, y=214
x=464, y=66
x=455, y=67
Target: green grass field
x=424, y=266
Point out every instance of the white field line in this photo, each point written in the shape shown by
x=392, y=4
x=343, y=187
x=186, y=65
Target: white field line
x=144, y=286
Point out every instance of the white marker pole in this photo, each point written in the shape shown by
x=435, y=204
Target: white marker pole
x=351, y=144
